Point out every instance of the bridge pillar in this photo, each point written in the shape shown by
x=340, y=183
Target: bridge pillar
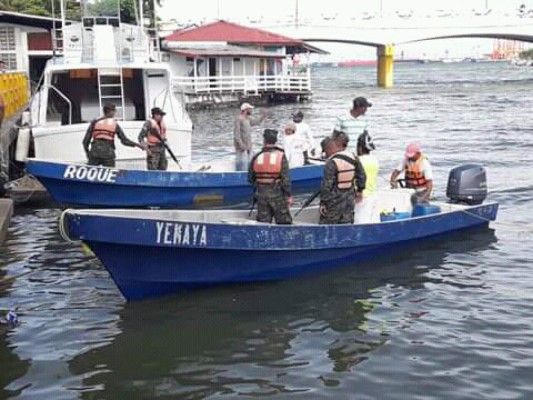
x=385, y=65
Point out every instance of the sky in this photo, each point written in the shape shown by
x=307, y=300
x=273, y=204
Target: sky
x=275, y=11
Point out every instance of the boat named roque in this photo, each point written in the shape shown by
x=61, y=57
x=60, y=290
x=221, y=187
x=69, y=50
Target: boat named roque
x=92, y=174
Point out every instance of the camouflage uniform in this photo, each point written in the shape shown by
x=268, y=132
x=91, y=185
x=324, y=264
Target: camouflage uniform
x=340, y=203
x=272, y=199
x=102, y=152
x=156, y=158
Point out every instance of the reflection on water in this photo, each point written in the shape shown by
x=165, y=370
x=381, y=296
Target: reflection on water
x=447, y=319
x=267, y=339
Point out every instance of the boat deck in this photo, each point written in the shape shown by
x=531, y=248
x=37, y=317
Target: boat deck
x=388, y=200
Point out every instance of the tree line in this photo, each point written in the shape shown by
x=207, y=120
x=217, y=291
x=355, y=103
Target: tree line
x=128, y=8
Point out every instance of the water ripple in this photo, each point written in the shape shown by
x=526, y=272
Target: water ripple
x=446, y=320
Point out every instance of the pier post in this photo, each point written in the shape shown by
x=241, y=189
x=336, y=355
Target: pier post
x=385, y=65
x=6, y=211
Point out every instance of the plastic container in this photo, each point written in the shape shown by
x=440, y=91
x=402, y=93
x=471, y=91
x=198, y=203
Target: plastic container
x=425, y=209
x=395, y=216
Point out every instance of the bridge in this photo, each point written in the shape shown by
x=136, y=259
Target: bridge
x=385, y=33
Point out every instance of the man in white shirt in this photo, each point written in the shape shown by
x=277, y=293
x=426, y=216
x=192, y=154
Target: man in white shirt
x=355, y=122
x=418, y=173
x=304, y=131
x=294, y=145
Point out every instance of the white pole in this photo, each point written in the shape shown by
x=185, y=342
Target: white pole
x=296, y=16
x=141, y=14
x=63, y=17
x=156, y=33
x=232, y=73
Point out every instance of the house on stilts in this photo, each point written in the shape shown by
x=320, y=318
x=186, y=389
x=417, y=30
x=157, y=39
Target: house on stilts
x=224, y=63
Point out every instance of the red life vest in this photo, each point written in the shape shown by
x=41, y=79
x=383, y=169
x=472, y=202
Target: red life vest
x=345, y=171
x=160, y=128
x=105, y=128
x=267, y=166
x=414, y=176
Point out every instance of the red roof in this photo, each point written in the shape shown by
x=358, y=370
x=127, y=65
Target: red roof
x=223, y=31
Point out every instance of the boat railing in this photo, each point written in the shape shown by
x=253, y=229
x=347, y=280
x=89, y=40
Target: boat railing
x=168, y=95
x=38, y=97
x=123, y=44
x=36, y=88
x=243, y=83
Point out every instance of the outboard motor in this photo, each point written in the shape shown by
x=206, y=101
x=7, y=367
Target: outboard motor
x=467, y=184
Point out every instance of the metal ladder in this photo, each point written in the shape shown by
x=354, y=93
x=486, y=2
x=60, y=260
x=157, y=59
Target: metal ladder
x=111, y=89
x=56, y=33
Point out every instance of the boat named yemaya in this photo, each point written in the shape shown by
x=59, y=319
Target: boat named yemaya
x=156, y=252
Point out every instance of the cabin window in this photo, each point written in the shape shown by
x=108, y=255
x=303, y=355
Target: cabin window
x=236, y=59
x=189, y=59
x=80, y=87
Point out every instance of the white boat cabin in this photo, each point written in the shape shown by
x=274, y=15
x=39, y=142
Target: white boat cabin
x=101, y=61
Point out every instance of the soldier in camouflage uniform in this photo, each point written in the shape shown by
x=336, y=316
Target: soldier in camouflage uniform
x=99, y=140
x=269, y=174
x=343, y=181
x=155, y=132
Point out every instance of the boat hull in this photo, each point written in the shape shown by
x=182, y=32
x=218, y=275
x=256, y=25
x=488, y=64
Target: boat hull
x=81, y=185
x=150, y=257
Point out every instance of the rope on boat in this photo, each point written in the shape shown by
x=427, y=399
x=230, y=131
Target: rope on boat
x=63, y=229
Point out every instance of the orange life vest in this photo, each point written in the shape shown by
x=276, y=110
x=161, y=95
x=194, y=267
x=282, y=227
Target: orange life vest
x=414, y=176
x=267, y=166
x=162, y=130
x=105, y=128
x=345, y=171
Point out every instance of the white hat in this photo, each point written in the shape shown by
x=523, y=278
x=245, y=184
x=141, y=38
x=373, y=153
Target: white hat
x=246, y=106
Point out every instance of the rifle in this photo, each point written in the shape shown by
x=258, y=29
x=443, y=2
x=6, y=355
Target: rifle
x=254, y=200
x=317, y=159
x=308, y=201
x=157, y=135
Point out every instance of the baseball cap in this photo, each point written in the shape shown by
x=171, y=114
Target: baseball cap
x=246, y=106
x=361, y=102
x=412, y=149
x=157, y=110
x=298, y=114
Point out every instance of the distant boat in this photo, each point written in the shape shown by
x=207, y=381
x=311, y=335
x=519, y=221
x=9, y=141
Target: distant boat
x=324, y=64
x=357, y=63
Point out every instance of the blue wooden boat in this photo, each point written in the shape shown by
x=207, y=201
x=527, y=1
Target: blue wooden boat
x=203, y=185
x=156, y=252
